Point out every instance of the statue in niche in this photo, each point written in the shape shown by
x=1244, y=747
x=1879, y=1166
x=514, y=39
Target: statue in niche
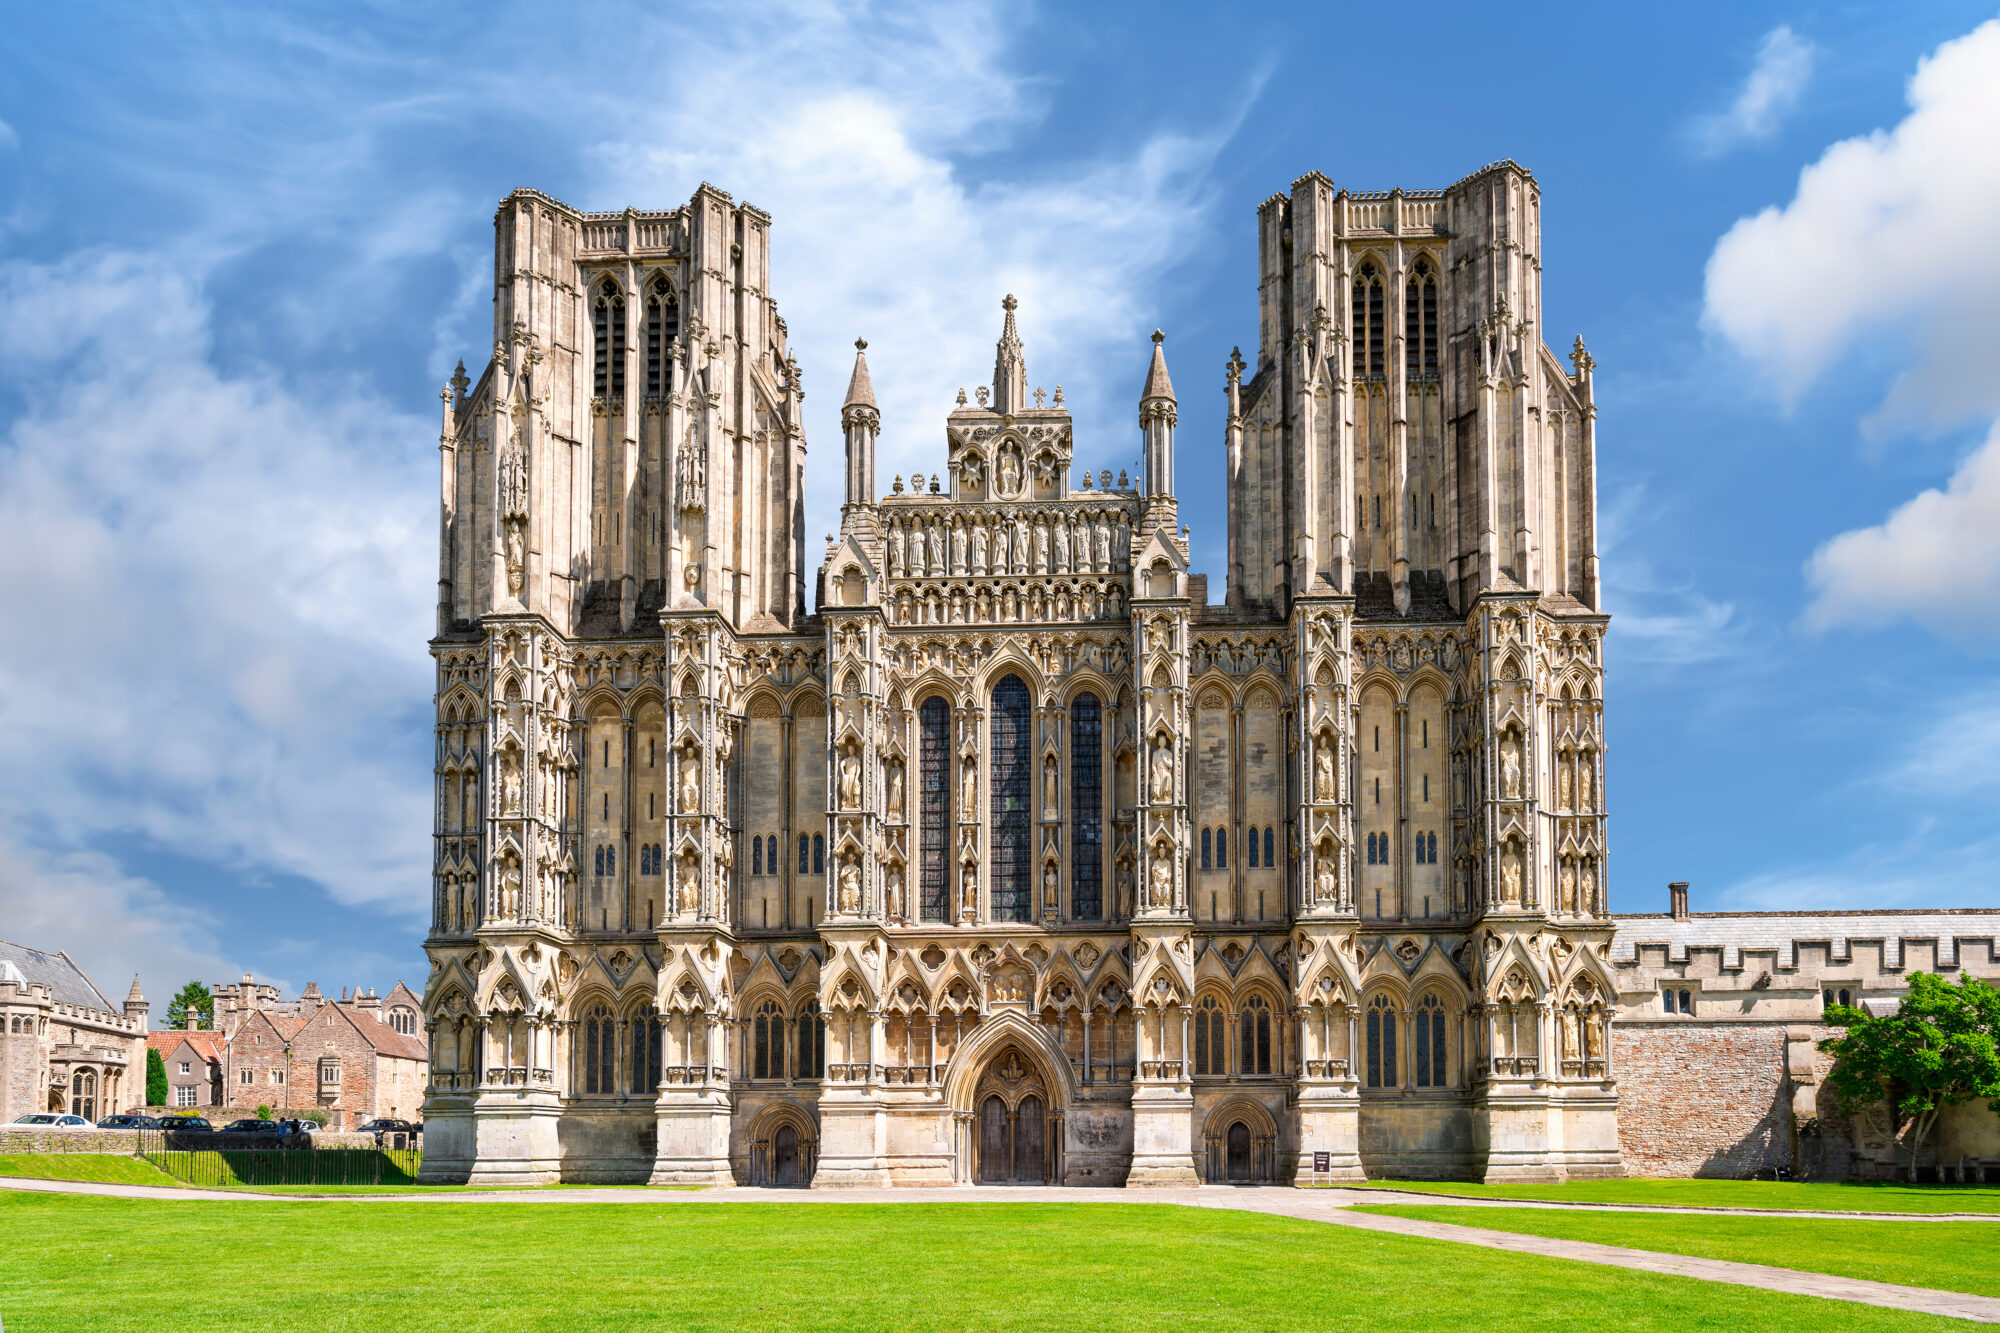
x=1080, y=536
x=979, y=549
x=1059, y=544
x=893, y=782
x=690, y=891
x=1510, y=766
x=1510, y=875
x=1566, y=887
x=690, y=782
x=895, y=550
x=969, y=891
x=1583, y=781
x=1021, y=555
x=1162, y=772
x=849, y=891
x=850, y=780
x=1593, y=1037
x=1101, y=536
x=1325, y=882
x=471, y=793
x=1586, y=888
x=1565, y=792
x=1160, y=892
x=892, y=893
x=975, y=474
x=957, y=547
x=516, y=558
x=934, y=546
x=1323, y=769
x=1041, y=548
x=1050, y=797
x=1010, y=472
x=1051, y=890
x=1570, y=1044
x=510, y=782
x=510, y=891
x=1123, y=905
x=969, y=786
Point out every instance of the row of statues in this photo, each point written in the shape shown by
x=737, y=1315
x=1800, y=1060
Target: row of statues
x=1054, y=543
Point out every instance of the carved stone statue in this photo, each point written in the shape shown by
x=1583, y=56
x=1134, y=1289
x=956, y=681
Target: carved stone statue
x=1566, y=887
x=1101, y=535
x=934, y=545
x=1123, y=906
x=1160, y=889
x=1584, y=779
x=1051, y=800
x=1010, y=473
x=850, y=780
x=1565, y=787
x=471, y=821
x=1051, y=889
x=1020, y=545
x=895, y=550
x=892, y=893
x=969, y=787
x=690, y=782
x=510, y=782
x=1510, y=875
x=1326, y=883
x=690, y=890
x=1323, y=770
x=957, y=547
x=1080, y=539
x=979, y=549
x=1510, y=767
x=1162, y=779
x=969, y=891
x=849, y=890
x=516, y=558
x=893, y=782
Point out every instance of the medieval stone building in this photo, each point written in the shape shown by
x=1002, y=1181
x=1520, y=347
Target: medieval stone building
x=1016, y=859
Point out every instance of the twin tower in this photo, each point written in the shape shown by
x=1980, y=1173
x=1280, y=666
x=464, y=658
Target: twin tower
x=1015, y=859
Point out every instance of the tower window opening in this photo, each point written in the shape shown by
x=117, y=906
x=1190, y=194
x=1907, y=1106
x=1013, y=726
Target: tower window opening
x=1370, y=342
x=663, y=325
x=608, y=321
x=1420, y=323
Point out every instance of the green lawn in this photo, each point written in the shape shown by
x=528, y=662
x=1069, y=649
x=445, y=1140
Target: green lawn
x=96, y=1264
x=1954, y=1256
x=112, y=1168
x=1731, y=1194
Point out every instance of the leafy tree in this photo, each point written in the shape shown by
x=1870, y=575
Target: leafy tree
x=263, y=1110
x=192, y=1007
x=1938, y=1049
x=156, y=1078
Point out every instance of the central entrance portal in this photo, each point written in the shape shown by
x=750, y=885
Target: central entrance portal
x=1014, y=1128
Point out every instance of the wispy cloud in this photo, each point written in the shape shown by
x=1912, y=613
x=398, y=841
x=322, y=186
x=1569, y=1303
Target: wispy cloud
x=1773, y=88
x=1951, y=758
x=1658, y=620
x=1889, y=238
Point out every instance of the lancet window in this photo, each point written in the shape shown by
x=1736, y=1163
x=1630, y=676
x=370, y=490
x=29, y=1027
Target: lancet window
x=1011, y=778
x=1253, y=1051
x=1370, y=337
x=812, y=1041
x=1420, y=322
x=663, y=325
x=1086, y=808
x=767, y=1041
x=600, y=1050
x=1381, y=1043
x=646, y=1031
x=1210, y=1040
x=1428, y=1043
x=934, y=808
x=608, y=327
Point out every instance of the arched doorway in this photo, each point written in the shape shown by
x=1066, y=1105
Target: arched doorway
x=83, y=1094
x=1016, y=1138
x=1239, y=1153
x=785, y=1158
x=784, y=1148
x=1242, y=1142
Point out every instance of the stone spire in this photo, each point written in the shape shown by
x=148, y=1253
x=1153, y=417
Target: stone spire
x=136, y=1007
x=1010, y=372
x=859, y=423
x=1157, y=414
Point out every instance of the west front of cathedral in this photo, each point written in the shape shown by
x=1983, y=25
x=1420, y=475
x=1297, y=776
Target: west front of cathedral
x=1017, y=859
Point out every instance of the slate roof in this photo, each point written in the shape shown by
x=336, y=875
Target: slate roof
x=64, y=978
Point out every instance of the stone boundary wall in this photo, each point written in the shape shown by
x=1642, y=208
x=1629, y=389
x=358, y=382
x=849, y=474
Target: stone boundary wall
x=43, y=1139
x=1702, y=1099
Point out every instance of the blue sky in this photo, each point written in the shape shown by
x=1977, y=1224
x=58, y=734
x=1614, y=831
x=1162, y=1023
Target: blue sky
x=241, y=247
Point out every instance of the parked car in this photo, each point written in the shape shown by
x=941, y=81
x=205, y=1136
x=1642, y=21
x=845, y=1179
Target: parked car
x=128, y=1122
x=53, y=1118
x=185, y=1122
x=252, y=1126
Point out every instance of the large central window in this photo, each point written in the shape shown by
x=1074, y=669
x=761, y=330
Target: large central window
x=934, y=809
x=1012, y=759
x=1086, y=809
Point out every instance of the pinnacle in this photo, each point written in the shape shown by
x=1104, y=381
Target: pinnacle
x=134, y=993
x=860, y=389
x=1158, y=384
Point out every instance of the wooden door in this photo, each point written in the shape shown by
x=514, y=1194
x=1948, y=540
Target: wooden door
x=1029, y=1127
x=994, y=1152
x=1239, y=1151
x=785, y=1149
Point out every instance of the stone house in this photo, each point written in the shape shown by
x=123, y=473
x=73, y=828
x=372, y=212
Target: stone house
x=355, y=1058
x=64, y=1046
x=194, y=1067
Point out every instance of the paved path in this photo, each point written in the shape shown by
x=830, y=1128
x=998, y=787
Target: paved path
x=1329, y=1206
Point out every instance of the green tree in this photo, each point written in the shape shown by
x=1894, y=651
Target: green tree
x=193, y=1007
x=1938, y=1049
x=156, y=1078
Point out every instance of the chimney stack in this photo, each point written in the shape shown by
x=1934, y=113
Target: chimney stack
x=1677, y=900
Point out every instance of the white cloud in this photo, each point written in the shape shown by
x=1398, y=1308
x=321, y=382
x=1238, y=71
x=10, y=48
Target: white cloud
x=1774, y=86
x=8, y=139
x=1889, y=242
x=219, y=591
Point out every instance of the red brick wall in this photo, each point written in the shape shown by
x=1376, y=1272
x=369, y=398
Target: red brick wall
x=1702, y=1099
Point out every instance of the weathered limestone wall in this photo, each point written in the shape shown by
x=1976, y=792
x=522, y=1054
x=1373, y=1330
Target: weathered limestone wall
x=1707, y=1100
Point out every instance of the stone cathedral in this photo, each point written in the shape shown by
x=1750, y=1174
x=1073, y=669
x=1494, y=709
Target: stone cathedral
x=1016, y=858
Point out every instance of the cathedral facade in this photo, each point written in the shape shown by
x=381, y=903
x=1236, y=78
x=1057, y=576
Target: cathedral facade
x=1016, y=858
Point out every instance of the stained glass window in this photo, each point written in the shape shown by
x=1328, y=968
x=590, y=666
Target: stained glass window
x=1012, y=774
x=934, y=808
x=1086, y=808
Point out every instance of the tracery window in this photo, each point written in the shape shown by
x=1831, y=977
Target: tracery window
x=1251, y=848
x=1206, y=834
x=608, y=321
x=646, y=1030
x=1222, y=849
x=1381, y=1043
x=767, y=1034
x=1420, y=322
x=757, y=855
x=812, y=1041
x=1428, y=1042
x=1211, y=1050
x=663, y=325
x=1011, y=777
x=1086, y=808
x=1370, y=341
x=1267, y=846
x=1253, y=1052
x=934, y=808
x=805, y=854
x=819, y=854
x=600, y=1050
